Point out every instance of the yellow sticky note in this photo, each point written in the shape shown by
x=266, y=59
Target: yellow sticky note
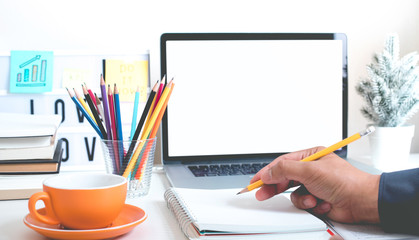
x=74, y=78
x=128, y=75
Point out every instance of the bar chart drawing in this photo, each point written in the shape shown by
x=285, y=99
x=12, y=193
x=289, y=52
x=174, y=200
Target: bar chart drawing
x=31, y=71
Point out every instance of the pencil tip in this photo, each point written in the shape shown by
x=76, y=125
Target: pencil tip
x=69, y=93
x=156, y=86
x=242, y=191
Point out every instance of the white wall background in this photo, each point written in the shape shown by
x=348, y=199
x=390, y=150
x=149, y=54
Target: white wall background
x=124, y=25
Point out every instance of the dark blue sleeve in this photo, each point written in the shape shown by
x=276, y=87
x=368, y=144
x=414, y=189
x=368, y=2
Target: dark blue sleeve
x=398, y=201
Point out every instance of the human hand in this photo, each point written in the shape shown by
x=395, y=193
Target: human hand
x=329, y=186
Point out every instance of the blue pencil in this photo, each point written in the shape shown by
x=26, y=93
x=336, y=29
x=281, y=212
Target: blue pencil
x=135, y=113
x=118, y=122
x=85, y=114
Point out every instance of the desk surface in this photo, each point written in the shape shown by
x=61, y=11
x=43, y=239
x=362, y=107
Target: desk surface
x=160, y=224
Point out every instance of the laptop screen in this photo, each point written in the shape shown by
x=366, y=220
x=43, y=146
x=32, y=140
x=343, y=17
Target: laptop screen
x=253, y=95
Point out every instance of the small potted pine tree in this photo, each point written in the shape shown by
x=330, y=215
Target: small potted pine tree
x=391, y=94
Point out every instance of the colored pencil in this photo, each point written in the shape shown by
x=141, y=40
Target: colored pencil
x=161, y=113
x=140, y=124
x=154, y=104
x=118, y=121
x=108, y=144
x=135, y=113
x=318, y=155
x=100, y=107
x=139, y=173
x=165, y=81
x=159, y=92
x=85, y=114
x=94, y=111
x=112, y=113
x=105, y=107
x=91, y=94
x=147, y=130
x=118, y=118
x=114, y=130
x=83, y=103
x=150, y=112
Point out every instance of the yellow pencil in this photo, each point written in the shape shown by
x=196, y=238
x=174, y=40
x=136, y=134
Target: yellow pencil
x=83, y=103
x=147, y=130
x=154, y=132
x=318, y=155
x=150, y=113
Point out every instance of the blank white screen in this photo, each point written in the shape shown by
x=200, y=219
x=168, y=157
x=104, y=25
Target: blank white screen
x=245, y=97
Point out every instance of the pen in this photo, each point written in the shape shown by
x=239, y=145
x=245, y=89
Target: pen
x=318, y=155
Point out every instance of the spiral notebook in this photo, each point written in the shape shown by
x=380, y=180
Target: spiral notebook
x=220, y=213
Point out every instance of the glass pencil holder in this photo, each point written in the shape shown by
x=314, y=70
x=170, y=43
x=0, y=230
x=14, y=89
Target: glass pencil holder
x=132, y=160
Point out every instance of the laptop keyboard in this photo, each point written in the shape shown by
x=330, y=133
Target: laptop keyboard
x=226, y=169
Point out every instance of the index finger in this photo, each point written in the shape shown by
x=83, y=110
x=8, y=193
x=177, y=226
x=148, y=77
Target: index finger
x=294, y=156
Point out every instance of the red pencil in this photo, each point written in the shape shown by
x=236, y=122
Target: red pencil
x=154, y=132
x=112, y=112
x=159, y=92
x=91, y=94
x=113, y=126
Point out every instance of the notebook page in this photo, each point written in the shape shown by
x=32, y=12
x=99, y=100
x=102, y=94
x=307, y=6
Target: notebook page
x=223, y=210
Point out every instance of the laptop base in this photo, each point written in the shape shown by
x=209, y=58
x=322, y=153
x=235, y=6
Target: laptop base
x=180, y=176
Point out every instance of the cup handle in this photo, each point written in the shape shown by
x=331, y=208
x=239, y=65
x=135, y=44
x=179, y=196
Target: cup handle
x=49, y=217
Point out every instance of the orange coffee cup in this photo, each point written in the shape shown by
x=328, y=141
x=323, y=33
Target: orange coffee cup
x=80, y=201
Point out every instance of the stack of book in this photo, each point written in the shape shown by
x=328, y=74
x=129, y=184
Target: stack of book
x=28, y=144
x=29, y=153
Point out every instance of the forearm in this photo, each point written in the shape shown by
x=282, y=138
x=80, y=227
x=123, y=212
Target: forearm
x=365, y=204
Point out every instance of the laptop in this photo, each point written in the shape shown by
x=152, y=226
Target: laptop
x=240, y=100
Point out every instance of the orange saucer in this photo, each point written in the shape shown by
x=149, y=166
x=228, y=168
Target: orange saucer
x=130, y=217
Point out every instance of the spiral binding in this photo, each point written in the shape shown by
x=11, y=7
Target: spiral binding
x=179, y=209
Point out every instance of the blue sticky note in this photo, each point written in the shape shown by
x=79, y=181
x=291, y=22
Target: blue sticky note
x=31, y=71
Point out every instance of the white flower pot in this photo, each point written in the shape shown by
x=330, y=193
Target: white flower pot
x=390, y=147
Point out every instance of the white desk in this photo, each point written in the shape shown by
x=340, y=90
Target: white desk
x=160, y=223
x=364, y=163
